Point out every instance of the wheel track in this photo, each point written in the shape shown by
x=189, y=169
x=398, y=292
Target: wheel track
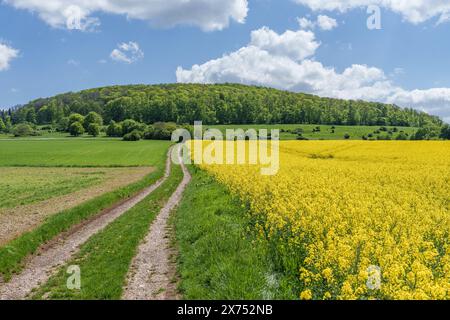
x=152, y=269
x=41, y=266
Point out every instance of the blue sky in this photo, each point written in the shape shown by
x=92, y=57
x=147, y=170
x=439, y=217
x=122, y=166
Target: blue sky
x=406, y=62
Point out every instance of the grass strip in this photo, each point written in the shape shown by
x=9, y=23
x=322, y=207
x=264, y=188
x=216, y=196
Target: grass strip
x=105, y=259
x=13, y=254
x=219, y=256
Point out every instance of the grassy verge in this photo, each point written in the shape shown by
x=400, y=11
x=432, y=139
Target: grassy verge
x=13, y=254
x=105, y=259
x=219, y=258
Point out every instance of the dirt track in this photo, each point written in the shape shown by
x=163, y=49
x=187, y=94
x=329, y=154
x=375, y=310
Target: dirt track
x=152, y=271
x=42, y=266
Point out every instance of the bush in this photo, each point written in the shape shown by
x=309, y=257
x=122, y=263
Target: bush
x=129, y=126
x=445, y=132
x=132, y=136
x=114, y=129
x=347, y=136
x=76, y=129
x=23, y=130
x=94, y=129
x=300, y=137
x=92, y=118
x=384, y=137
x=75, y=117
x=63, y=125
x=401, y=136
x=160, y=131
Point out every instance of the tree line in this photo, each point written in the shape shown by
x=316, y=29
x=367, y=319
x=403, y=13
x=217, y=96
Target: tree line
x=213, y=104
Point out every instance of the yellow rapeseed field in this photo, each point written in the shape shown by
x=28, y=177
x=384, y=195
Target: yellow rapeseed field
x=340, y=213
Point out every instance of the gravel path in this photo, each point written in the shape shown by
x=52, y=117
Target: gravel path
x=43, y=265
x=152, y=272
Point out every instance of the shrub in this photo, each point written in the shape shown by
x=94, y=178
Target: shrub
x=301, y=137
x=92, y=118
x=132, y=136
x=445, y=132
x=63, y=125
x=129, y=126
x=94, y=129
x=114, y=129
x=163, y=131
x=2, y=126
x=347, y=136
x=76, y=129
x=401, y=136
x=23, y=130
x=75, y=117
x=385, y=137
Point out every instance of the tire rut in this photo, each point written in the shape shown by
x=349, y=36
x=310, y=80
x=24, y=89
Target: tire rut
x=41, y=266
x=151, y=276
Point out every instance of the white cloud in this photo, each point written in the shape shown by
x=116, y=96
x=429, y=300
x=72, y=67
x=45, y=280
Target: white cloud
x=297, y=45
x=127, y=53
x=279, y=63
x=306, y=23
x=324, y=22
x=207, y=14
x=73, y=63
x=7, y=54
x=414, y=11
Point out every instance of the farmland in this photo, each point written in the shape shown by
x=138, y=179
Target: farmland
x=337, y=211
x=80, y=153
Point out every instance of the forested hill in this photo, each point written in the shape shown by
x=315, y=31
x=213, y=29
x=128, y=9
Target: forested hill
x=215, y=104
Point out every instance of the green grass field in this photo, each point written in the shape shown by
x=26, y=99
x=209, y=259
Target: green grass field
x=218, y=257
x=326, y=131
x=105, y=259
x=80, y=153
x=20, y=186
x=73, y=153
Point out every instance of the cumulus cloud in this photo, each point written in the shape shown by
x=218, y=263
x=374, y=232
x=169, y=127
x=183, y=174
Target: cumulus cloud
x=416, y=11
x=127, y=53
x=324, y=23
x=280, y=64
x=207, y=14
x=296, y=45
x=7, y=54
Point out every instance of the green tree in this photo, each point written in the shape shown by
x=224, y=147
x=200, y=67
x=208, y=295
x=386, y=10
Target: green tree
x=114, y=129
x=445, y=132
x=75, y=117
x=2, y=126
x=428, y=132
x=31, y=116
x=94, y=129
x=22, y=130
x=135, y=135
x=129, y=126
x=76, y=129
x=92, y=118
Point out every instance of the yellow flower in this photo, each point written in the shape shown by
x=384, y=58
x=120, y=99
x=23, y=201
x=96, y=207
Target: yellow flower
x=306, y=295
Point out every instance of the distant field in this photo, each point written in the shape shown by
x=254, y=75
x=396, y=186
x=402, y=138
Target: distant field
x=326, y=131
x=80, y=153
x=20, y=186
